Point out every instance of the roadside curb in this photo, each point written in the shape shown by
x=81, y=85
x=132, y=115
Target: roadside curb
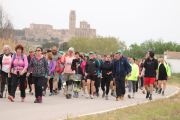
x=105, y=111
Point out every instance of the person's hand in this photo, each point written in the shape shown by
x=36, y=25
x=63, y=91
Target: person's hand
x=135, y=77
x=62, y=73
x=27, y=74
x=113, y=79
x=48, y=77
x=168, y=78
x=86, y=74
x=129, y=74
x=9, y=75
x=142, y=75
x=22, y=73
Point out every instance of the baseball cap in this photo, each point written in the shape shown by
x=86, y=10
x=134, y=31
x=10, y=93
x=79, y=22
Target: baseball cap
x=86, y=55
x=119, y=51
x=61, y=52
x=91, y=52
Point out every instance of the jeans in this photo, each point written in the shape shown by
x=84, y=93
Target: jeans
x=60, y=77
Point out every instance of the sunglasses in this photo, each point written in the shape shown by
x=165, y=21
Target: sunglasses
x=38, y=50
x=31, y=52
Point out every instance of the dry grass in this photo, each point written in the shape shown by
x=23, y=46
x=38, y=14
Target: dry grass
x=156, y=110
x=7, y=42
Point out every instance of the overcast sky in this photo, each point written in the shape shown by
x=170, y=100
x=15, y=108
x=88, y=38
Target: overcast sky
x=130, y=20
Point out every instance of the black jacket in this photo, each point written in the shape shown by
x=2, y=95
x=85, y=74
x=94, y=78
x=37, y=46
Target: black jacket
x=92, y=66
x=106, y=67
x=73, y=66
x=151, y=67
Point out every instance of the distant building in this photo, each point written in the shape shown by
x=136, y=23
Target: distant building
x=173, y=59
x=44, y=31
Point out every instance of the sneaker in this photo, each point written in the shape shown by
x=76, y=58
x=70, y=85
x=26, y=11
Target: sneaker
x=70, y=96
x=147, y=95
x=103, y=95
x=150, y=98
x=77, y=95
x=74, y=94
x=162, y=93
x=50, y=94
x=87, y=97
x=112, y=91
x=48, y=88
x=117, y=98
x=129, y=96
x=43, y=94
x=36, y=100
x=156, y=91
x=94, y=93
x=122, y=97
x=106, y=98
x=143, y=91
x=84, y=94
x=127, y=86
x=40, y=100
x=91, y=96
x=11, y=98
x=97, y=94
x=23, y=99
x=114, y=94
x=32, y=92
x=133, y=95
x=67, y=96
x=1, y=95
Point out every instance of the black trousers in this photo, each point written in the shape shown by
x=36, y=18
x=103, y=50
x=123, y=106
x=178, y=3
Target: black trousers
x=38, y=82
x=4, y=76
x=30, y=82
x=15, y=84
x=51, y=84
x=137, y=85
x=97, y=83
x=105, y=81
x=142, y=81
x=120, y=85
x=59, y=84
x=44, y=84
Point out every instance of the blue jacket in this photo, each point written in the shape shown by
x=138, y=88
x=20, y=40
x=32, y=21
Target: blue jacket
x=119, y=67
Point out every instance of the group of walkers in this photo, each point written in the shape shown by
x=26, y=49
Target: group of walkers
x=72, y=72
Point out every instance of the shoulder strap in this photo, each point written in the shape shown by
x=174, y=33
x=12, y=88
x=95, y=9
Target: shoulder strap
x=22, y=56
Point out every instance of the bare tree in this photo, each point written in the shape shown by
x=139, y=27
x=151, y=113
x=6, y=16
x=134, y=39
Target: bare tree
x=6, y=26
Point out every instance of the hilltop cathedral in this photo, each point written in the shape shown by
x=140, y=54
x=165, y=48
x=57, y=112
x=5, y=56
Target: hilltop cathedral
x=43, y=31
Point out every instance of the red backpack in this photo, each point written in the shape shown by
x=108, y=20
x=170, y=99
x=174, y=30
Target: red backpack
x=59, y=65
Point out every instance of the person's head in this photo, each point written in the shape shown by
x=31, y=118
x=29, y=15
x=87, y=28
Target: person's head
x=120, y=51
x=112, y=56
x=128, y=59
x=132, y=60
x=95, y=55
x=54, y=50
x=81, y=57
x=99, y=57
x=49, y=51
x=19, y=49
x=150, y=54
x=84, y=53
x=86, y=57
x=77, y=55
x=70, y=51
x=7, y=49
x=31, y=52
x=159, y=60
x=49, y=56
x=39, y=51
x=136, y=60
x=44, y=53
x=162, y=60
x=118, y=56
x=108, y=58
x=91, y=55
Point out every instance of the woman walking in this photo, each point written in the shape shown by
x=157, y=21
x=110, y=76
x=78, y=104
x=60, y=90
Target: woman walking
x=133, y=78
x=18, y=69
x=106, y=70
x=5, y=61
x=40, y=69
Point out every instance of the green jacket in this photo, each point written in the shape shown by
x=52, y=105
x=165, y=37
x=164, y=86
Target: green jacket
x=134, y=72
x=168, y=71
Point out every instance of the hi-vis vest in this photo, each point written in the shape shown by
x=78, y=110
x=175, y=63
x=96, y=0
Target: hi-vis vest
x=168, y=71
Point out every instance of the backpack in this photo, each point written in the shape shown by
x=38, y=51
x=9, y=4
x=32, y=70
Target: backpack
x=59, y=66
x=104, y=62
x=17, y=58
x=123, y=63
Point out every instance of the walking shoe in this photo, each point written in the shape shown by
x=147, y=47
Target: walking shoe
x=94, y=93
x=147, y=95
x=40, y=100
x=84, y=94
x=74, y=94
x=67, y=96
x=143, y=91
x=87, y=97
x=162, y=93
x=150, y=98
x=70, y=96
x=103, y=95
x=156, y=90
x=122, y=97
x=48, y=88
x=1, y=95
x=43, y=94
x=117, y=98
x=23, y=99
x=50, y=94
x=112, y=91
x=32, y=92
x=11, y=98
x=127, y=86
x=77, y=95
x=106, y=98
x=129, y=96
x=133, y=95
x=114, y=94
x=36, y=100
x=91, y=96
x=97, y=94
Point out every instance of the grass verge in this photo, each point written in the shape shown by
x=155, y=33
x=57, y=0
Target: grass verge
x=168, y=109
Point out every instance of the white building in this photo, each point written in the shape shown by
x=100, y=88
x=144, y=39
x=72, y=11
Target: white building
x=173, y=59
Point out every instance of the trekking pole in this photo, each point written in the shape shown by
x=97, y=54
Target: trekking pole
x=6, y=91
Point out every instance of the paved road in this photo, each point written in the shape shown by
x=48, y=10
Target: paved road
x=57, y=107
